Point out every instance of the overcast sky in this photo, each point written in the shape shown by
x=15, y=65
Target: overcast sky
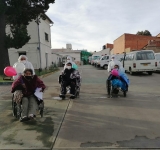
x=89, y=24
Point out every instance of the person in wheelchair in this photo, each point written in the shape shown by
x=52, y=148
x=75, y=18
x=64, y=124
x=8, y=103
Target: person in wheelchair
x=69, y=77
x=28, y=83
x=121, y=81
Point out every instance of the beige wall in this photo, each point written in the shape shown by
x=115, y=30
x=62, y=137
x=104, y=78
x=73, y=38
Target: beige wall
x=119, y=45
x=127, y=50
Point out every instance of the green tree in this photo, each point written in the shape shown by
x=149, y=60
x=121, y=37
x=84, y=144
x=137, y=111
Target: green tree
x=146, y=32
x=17, y=14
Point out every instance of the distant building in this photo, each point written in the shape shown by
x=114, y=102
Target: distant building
x=75, y=54
x=69, y=46
x=106, y=50
x=108, y=45
x=128, y=42
x=38, y=49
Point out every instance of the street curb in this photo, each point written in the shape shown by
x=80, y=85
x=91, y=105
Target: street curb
x=45, y=75
x=42, y=76
x=6, y=83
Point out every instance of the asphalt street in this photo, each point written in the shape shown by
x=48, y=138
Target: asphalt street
x=92, y=121
x=95, y=121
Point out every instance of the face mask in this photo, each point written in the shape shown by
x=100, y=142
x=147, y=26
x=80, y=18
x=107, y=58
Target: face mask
x=23, y=61
x=28, y=77
x=68, y=67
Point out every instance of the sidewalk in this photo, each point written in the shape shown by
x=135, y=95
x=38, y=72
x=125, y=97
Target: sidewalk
x=5, y=92
x=39, y=134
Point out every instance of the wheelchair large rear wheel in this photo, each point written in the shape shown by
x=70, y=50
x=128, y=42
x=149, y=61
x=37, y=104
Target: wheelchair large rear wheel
x=41, y=108
x=17, y=111
x=77, y=92
x=124, y=93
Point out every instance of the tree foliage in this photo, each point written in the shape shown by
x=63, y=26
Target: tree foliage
x=18, y=37
x=146, y=32
x=17, y=14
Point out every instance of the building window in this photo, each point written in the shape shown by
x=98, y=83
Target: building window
x=21, y=53
x=46, y=37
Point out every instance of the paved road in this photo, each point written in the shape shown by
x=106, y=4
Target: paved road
x=91, y=122
x=95, y=121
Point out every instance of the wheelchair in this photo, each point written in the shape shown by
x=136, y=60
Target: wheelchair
x=114, y=89
x=77, y=87
x=17, y=108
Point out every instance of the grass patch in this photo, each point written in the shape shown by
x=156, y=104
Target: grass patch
x=5, y=79
x=41, y=72
x=45, y=71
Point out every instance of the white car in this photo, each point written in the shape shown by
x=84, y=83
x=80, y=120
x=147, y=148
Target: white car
x=157, y=56
x=97, y=64
x=94, y=59
x=104, y=60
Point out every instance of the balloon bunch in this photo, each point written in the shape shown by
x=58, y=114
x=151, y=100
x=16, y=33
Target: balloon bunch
x=10, y=71
x=18, y=68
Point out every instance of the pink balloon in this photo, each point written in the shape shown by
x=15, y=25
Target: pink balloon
x=10, y=71
x=114, y=72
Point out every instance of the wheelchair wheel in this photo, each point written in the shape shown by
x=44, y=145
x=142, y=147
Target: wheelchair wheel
x=13, y=106
x=124, y=93
x=77, y=92
x=41, y=113
x=108, y=87
x=17, y=110
x=41, y=108
x=14, y=109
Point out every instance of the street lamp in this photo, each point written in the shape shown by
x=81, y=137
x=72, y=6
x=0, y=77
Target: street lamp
x=124, y=58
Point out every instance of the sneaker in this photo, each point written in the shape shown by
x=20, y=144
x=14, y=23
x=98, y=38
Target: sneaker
x=31, y=117
x=61, y=95
x=72, y=97
x=25, y=118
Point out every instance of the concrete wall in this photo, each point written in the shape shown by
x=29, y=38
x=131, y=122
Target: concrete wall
x=31, y=52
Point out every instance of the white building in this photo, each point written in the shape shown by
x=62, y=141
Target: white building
x=103, y=52
x=57, y=59
x=38, y=49
x=75, y=54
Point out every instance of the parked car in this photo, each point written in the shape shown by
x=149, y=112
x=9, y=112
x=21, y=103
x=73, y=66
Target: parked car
x=157, y=56
x=104, y=60
x=97, y=62
x=140, y=61
x=90, y=59
x=94, y=59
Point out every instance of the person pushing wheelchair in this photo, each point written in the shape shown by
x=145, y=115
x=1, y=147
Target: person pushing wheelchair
x=69, y=77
